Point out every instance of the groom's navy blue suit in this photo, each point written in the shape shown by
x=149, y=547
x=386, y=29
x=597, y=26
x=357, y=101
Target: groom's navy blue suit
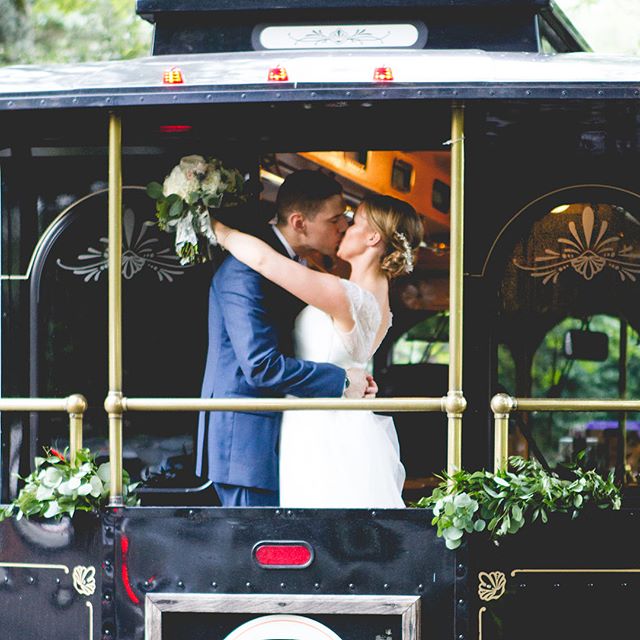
x=250, y=355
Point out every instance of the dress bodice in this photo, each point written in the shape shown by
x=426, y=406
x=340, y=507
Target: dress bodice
x=317, y=338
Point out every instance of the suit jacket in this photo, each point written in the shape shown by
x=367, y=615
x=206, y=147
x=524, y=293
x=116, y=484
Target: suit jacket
x=250, y=355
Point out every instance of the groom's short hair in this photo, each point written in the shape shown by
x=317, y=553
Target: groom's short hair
x=304, y=191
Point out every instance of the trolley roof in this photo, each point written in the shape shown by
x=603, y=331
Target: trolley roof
x=320, y=75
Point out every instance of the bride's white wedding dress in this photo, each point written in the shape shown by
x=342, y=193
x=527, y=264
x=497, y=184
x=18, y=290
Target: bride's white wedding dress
x=345, y=459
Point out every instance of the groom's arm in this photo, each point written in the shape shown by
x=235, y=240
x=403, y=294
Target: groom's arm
x=255, y=340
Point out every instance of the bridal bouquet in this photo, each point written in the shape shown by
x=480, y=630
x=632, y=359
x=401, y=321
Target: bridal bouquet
x=194, y=186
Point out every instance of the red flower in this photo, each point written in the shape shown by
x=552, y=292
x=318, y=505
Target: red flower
x=57, y=454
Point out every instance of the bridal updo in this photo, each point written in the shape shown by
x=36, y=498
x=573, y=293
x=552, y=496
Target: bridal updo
x=401, y=230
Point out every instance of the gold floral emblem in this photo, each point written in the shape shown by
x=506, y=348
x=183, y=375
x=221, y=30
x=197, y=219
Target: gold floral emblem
x=84, y=580
x=491, y=586
x=585, y=255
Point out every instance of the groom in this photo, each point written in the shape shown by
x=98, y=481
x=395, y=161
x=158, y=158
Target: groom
x=250, y=351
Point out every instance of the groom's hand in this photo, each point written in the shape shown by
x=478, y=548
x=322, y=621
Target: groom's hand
x=358, y=383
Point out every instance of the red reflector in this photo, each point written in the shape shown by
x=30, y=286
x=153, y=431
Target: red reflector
x=283, y=555
x=383, y=74
x=278, y=74
x=175, y=128
x=173, y=76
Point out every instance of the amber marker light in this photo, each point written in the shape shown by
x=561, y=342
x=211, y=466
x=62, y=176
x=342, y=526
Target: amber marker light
x=172, y=76
x=278, y=74
x=383, y=74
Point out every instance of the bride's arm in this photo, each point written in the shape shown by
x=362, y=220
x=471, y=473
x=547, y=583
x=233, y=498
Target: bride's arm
x=321, y=290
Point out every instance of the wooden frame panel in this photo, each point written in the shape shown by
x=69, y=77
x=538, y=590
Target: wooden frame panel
x=156, y=604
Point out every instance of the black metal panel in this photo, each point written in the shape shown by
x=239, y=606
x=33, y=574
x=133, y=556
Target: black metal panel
x=146, y=7
x=51, y=579
x=350, y=93
x=356, y=552
x=208, y=33
x=567, y=579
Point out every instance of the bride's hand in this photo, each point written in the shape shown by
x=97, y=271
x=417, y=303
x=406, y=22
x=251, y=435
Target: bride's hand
x=372, y=388
x=221, y=231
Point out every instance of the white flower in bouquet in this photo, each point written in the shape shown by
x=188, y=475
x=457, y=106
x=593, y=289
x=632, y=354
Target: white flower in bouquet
x=192, y=188
x=179, y=184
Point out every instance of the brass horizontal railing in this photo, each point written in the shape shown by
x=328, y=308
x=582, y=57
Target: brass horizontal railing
x=503, y=405
x=75, y=405
x=283, y=404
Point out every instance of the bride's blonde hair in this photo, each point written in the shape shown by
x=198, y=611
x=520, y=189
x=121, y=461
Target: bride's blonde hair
x=401, y=230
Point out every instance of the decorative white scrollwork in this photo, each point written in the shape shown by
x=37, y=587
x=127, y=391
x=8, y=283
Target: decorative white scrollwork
x=84, y=580
x=137, y=254
x=492, y=585
x=339, y=36
x=586, y=256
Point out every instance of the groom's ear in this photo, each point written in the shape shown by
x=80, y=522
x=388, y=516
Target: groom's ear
x=297, y=221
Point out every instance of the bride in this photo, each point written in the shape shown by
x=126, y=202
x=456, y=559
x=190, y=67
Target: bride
x=342, y=459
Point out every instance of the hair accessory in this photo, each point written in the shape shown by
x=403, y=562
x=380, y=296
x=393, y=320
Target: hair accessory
x=406, y=249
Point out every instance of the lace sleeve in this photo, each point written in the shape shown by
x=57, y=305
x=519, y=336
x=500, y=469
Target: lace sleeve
x=365, y=312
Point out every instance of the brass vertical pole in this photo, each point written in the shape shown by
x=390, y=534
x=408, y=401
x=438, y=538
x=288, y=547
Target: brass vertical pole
x=501, y=405
x=455, y=398
x=76, y=406
x=113, y=403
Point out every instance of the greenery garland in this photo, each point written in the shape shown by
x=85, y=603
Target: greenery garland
x=502, y=503
x=59, y=487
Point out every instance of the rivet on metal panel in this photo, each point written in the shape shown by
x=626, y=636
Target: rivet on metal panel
x=214, y=585
x=348, y=93
x=420, y=587
x=57, y=580
x=283, y=585
x=31, y=580
x=180, y=584
x=373, y=514
x=352, y=586
x=289, y=512
x=385, y=586
x=460, y=602
x=277, y=512
x=316, y=585
x=600, y=92
x=248, y=585
x=564, y=92
x=243, y=95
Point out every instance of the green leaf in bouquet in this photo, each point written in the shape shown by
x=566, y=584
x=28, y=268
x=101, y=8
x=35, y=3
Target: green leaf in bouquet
x=155, y=191
x=176, y=208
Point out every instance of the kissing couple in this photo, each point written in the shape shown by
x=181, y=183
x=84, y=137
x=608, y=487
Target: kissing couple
x=278, y=328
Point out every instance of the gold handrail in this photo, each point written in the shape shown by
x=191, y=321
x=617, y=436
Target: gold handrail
x=75, y=405
x=283, y=404
x=503, y=405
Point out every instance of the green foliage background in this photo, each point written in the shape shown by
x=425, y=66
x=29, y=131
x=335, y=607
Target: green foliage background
x=41, y=31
